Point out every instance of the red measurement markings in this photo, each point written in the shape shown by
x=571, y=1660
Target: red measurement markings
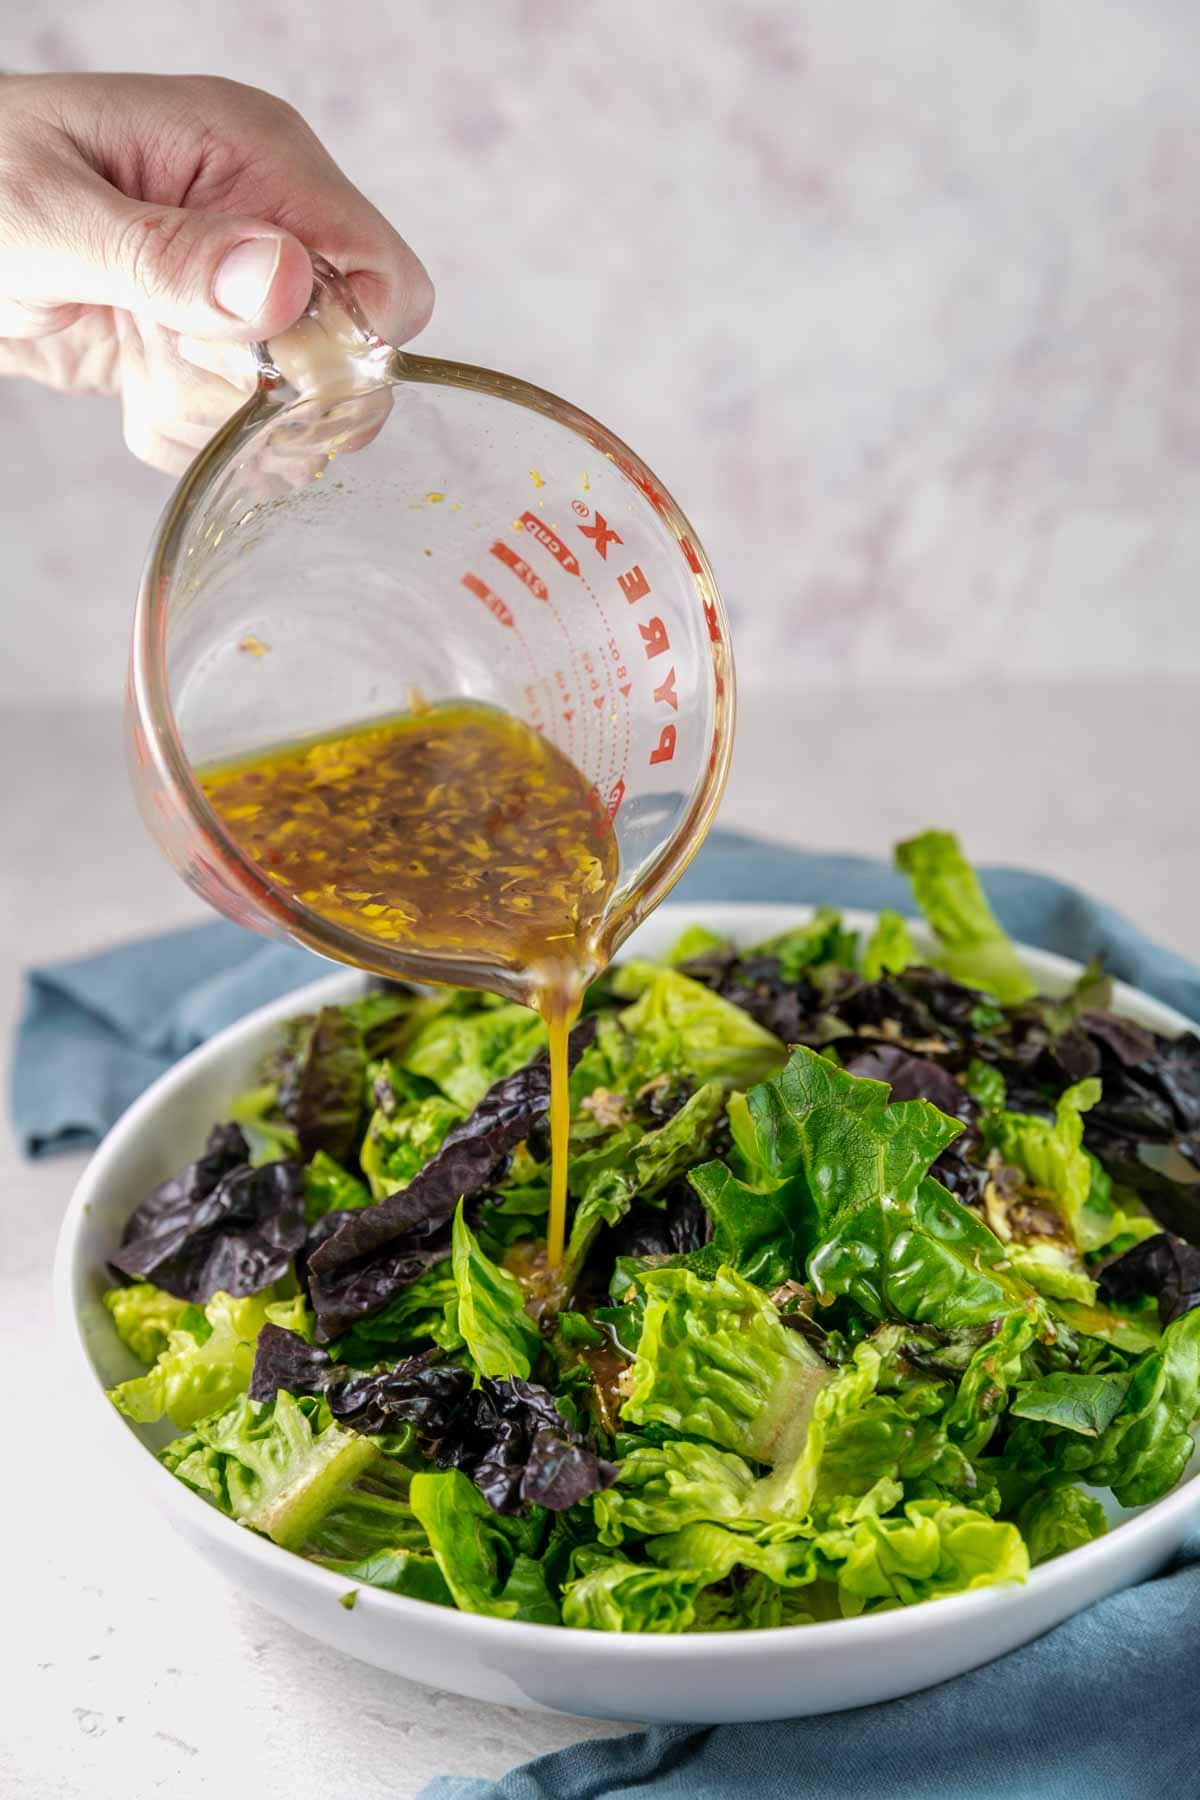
x=507, y=555
x=493, y=602
x=635, y=586
x=533, y=706
x=602, y=535
x=549, y=540
x=620, y=669
x=641, y=478
x=664, y=750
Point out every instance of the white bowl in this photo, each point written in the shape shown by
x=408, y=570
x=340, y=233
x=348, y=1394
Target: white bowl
x=710, y=1678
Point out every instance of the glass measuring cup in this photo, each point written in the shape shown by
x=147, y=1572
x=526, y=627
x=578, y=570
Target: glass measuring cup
x=375, y=525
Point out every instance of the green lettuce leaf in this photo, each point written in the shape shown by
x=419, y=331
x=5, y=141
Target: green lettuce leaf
x=1058, y=1519
x=408, y=1572
x=934, y=1548
x=823, y=939
x=939, y=1547
x=1054, y=1270
x=201, y=1370
x=839, y=1132
x=489, y=1562
x=499, y=1334
x=277, y=1468
x=464, y=1053
x=755, y=1603
x=975, y=949
x=786, y=1555
x=1146, y=1448
x=330, y=1188
x=402, y=1137
x=983, y=1389
x=145, y=1316
x=985, y=1084
x=425, y=1313
x=370, y=1534
x=693, y=940
x=610, y=1593
x=1051, y=1154
x=864, y=1444
x=651, y=1162
x=680, y=1026
x=1143, y=1450
x=715, y=1361
x=791, y=1490
x=1084, y=1403
x=889, y=949
x=887, y=1236
x=759, y=1233
x=269, y=1135
x=1131, y=1332
x=662, y=1487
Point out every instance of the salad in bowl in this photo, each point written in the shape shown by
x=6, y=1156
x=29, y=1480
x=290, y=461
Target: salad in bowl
x=878, y=1285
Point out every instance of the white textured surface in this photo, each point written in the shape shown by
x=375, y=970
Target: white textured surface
x=901, y=304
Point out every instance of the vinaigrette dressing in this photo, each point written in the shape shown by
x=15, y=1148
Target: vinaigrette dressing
x=452, y=829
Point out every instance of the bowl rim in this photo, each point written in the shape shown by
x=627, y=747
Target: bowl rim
x=173, y=1497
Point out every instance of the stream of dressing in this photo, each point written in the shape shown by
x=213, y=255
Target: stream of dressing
x=454, y=832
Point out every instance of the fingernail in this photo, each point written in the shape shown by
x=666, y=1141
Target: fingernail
x=244, y=276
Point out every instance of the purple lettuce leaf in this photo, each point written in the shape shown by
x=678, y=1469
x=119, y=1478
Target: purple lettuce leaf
x=219, y=1225
x=1162, y=1266
x=508, y=1436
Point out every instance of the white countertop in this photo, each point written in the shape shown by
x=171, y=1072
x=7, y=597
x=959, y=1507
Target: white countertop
x=129, y=1670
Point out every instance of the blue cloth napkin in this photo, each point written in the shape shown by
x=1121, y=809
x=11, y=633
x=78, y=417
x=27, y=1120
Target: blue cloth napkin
x=99, y=1029
x=1103, y=1708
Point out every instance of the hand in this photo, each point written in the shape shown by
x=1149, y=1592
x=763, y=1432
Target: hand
x=152, y=227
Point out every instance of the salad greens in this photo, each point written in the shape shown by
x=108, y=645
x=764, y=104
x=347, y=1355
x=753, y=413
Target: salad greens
x=881, y=1266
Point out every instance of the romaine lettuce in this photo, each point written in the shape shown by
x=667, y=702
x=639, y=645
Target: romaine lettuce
x=202, y=1368
x=499, y=1334
x=610, y=1593
x=278, y=1468
x=489, y=1562
x=676, y=1024
x=145, y=1316
x=463, y=1054
x=715, y=1361
x=661, y=1487
x=1059, y=1519
x=974, y=945
x=879, y=1230
x=889, y=949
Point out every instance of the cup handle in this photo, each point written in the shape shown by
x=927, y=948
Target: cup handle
x=330, y=352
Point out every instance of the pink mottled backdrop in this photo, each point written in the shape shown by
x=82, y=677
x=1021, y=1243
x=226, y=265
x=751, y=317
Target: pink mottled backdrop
x=900, y=300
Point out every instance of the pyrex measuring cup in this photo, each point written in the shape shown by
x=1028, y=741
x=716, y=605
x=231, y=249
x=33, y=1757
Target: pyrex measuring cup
x=374, y=525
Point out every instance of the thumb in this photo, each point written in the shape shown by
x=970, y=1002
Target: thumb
x=204, y=273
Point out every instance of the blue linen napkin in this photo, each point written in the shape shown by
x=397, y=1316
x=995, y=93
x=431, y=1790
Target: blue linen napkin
x=99, y=1029
x=1102, y=1708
